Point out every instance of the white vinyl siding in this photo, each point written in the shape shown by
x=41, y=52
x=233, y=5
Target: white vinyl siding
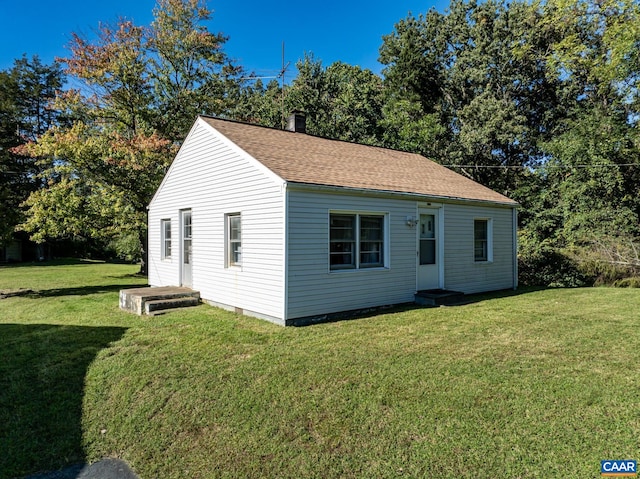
x=214, y=178
x=314, y=289
x=461, y=270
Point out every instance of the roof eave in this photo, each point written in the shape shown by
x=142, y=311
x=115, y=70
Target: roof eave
x=395, y=194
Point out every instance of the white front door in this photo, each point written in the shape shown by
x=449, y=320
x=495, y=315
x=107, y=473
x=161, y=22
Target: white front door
x=428, y=249
x=185, y=249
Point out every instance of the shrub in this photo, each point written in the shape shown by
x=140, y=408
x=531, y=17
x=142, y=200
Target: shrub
x=609, y=261
x=540, y=263
x=633, y=282
x=126, y=247
x=550, y=267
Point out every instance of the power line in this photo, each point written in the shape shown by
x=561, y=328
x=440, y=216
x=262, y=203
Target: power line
x=522, y=167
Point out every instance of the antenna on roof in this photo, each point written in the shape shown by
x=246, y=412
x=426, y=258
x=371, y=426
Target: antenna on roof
x=282, y=72
x=275, y=74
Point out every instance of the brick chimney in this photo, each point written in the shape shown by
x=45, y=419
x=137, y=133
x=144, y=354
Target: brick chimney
x=297, y=122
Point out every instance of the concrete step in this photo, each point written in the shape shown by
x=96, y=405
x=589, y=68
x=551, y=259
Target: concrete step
x=438, y=297
x=134, y=300
x=156, y=305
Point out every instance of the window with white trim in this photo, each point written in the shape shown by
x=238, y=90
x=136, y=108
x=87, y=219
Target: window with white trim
x=234, y=240
x=356, y=241
x=482, y=240
x=165, y=233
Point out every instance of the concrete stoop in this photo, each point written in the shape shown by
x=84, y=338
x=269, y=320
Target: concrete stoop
x=152, y=301
x=438, y=297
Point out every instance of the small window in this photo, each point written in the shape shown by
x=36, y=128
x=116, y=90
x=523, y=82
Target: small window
x=234, y=235
x=343, y=242
x=371, y=241
x=166, y=238
x=482, y=248
x=356, y=241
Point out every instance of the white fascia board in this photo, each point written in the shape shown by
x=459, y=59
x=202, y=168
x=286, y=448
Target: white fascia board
x=397, y=194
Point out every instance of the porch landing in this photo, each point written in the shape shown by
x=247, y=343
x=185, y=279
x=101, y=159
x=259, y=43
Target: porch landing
x=438, y=297
x=152, y=301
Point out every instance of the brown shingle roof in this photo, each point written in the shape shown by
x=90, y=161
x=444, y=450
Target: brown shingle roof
x=301, y=158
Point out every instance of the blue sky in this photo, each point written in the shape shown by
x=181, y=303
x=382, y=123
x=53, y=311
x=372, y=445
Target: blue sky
x=350, y=31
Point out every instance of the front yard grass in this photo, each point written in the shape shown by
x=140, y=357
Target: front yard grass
x=535, y=384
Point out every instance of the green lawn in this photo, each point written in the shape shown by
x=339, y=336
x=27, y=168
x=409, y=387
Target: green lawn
x=537, y=384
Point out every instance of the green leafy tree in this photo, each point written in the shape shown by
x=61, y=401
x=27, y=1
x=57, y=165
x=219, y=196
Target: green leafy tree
x=188, y=70
x=340, y=101
x=413, y=116
x=585, y=207
x=538, y=100
x=26, y=94
x=457, y=92
x=142, y=87
x=12, y=187
x=595, y=148
x=261, y=104
x=599, y=193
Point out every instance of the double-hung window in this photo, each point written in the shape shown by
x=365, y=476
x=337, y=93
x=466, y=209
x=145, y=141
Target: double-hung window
x=234, y=240
x=356, y=241
x=482, y=240
x=165, y=231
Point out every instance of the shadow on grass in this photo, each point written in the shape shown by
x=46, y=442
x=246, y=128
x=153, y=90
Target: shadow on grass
x=506, y=293
x=42, y=373
x=53, y=262
x=61, y=262
x=399, y=308
x=80, y=290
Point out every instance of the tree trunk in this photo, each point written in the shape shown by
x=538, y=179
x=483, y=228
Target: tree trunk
x=144, y=254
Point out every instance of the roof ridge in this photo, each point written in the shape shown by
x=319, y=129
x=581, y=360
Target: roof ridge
x=311, y=135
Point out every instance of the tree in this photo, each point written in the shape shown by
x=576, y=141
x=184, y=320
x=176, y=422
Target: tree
x=26, y=94
x=260, y=104
x=341, y=101
x=596, y=148
x=413, y=117
x=145, y=86
x=457, y=92
x=591, y=175
x=538, y=100
x=189, y=72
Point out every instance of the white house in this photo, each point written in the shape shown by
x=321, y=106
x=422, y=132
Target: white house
x=287, y=226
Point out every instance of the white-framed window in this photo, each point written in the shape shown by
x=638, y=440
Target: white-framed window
x=357, y=240
x=165, y=233
x=483, y=240
x=234, y=239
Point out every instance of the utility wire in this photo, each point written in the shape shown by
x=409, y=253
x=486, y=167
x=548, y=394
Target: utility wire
x=542, y=166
